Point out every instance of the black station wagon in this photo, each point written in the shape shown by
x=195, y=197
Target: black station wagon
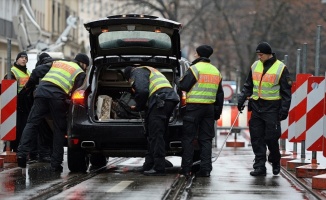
x=117, y=42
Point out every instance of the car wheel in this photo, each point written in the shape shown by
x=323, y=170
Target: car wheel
x=98, y=160
x=78, y=161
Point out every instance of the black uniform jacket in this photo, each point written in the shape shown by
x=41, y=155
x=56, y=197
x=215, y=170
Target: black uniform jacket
x=47, y=89
x=189, y=80
x=281, y=106
x=140, y=84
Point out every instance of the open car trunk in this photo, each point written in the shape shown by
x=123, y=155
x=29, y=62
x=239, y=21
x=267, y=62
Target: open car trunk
x=112, y=96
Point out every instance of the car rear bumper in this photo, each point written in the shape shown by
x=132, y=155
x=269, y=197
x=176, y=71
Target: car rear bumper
x=123, y=139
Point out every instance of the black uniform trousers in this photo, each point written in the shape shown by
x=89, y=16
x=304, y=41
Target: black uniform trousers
x=157, y=123
x=198, y=121
x=57, y=108
x=265, y=130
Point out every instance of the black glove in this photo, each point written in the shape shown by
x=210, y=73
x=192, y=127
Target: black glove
x=241, y=101
x=282, y=116
x=217, y=112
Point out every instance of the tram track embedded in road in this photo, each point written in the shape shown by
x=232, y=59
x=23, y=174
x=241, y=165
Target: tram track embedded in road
x=179, y=188
x=58, y=188
x=290, y=176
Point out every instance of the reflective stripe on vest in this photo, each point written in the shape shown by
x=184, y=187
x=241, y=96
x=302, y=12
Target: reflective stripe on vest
x=156, y=80
x=21, y=77
x=208, y=79
x=266, y=87
x=63, y=74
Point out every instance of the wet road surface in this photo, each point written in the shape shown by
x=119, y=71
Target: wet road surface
x=229, y=180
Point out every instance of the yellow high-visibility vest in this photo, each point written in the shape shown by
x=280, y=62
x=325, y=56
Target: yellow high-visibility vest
x=208, y=80
x=266, y=86
x=63, y=74
x=156, y=80
x=21, y=77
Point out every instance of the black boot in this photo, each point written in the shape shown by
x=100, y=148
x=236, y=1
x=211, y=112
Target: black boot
x=276, y=168
x=21, y=162
x=258, y=172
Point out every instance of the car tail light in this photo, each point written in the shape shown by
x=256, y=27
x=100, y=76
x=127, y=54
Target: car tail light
x=78, y=97
x=73, y=142
x=183, y=98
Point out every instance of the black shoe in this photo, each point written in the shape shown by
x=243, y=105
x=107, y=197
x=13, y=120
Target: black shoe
x=21, y=162
x=153, y=172
x=203, y=174
x=258, y=172
x=57, y=168
x=46, y=159
x=276, y=168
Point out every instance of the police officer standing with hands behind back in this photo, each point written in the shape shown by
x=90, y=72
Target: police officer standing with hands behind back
x=62, y=78
x=205, y=96
x=269, y=87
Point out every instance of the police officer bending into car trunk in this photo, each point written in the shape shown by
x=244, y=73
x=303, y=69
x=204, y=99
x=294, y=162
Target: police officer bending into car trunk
x=205, y=96
x=57, y=82
x=151, y=87
x=269, y=86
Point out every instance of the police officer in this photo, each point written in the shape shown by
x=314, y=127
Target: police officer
x=151, y=87
x=41, y=147
x=62, y=78
x=269, y=86
x=21, y=74
x=205, y=96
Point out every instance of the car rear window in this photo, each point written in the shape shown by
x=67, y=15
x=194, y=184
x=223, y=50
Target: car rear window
x=118, y=39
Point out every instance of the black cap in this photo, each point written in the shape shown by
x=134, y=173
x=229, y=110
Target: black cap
x=22, y=54
x=204, y=51
x=264, y=48
x=127, y=72
x=43, y=55
x=82, y=58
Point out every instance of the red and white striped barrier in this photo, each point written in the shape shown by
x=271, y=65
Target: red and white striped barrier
x=289, y=121
x=315, y=113
x=228, y=116
x=324, y=124
x=301, y=107
x=291, y=117
x=8, y=110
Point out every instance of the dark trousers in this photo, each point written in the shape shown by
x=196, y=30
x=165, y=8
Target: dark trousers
x=265, y=130
x=57, y=108
x=198, y=121
x=41, y=146
x=157, y=122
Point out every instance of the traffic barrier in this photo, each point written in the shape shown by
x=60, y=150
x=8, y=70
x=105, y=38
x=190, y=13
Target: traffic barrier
x=300, y=111
x=314, y=125
x=8, y=116
x=288, y=126
x=228, y=117
x=301, y=107
x=319, y=181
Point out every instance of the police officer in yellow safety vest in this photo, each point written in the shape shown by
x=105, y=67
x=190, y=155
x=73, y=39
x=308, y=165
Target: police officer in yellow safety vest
x=62, y=78
x=20, y=73
x=205, y=96
x=269, y=87
x=153, y=93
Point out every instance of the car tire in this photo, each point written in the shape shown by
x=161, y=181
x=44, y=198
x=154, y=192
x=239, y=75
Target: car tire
x=78, y=161
x=98, y=160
